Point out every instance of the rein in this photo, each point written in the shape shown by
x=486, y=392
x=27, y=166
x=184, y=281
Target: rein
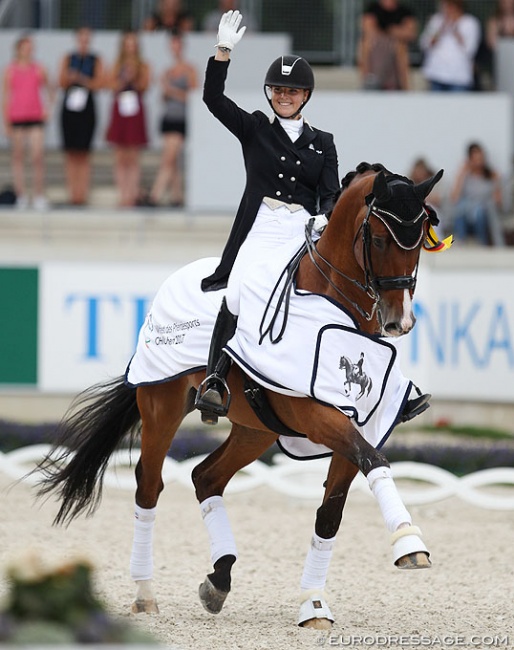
x=373, y=284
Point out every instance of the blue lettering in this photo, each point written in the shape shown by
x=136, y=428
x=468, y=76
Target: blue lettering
x=461, y=334
x=436, y=340
x=92, y=304
x=500, y=335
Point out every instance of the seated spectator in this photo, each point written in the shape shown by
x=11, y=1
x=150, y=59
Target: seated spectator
x=387, y=29
x=81, y=75
x=450, y=42
x=212, y=19
x=422, y=171
x=477, y=200
x=501, y=23
x=176, y=83
x=129, y=80
x=169, y=15
x=25, y=114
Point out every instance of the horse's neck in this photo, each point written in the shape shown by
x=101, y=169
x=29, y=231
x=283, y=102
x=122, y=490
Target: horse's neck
x=337, y=247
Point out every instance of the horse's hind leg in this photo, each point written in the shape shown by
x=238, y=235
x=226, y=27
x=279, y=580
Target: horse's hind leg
x=314, y=610
x=210, y=478
x=162, y=408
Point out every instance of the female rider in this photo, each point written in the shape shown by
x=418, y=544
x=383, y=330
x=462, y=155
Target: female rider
x=291, y=176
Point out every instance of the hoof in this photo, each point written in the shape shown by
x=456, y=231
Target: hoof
x=140, y=606
x=211, y=598
x=414, y=561
x=317, y=624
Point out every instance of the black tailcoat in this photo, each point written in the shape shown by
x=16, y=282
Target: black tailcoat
x=303, y=172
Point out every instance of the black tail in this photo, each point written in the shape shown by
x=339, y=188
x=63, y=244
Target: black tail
x=89, y=433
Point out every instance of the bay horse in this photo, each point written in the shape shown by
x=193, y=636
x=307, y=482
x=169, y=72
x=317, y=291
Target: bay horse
x=364, y=264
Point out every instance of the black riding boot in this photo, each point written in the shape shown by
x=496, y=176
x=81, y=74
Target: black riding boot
x=209, y=399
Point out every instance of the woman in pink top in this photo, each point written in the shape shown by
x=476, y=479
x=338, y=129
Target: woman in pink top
x=24, y=117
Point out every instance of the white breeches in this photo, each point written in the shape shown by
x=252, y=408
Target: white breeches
x=271, y=229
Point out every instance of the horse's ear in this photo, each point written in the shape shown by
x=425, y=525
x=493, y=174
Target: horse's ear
x=423, y=189
x=381, y=190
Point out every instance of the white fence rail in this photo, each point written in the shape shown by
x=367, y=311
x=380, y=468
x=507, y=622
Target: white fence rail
x=418, y=483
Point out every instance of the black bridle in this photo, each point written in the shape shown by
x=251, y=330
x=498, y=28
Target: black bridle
x=373, y=284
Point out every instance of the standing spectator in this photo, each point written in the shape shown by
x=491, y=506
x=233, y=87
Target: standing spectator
x=387, y=29
x=80, y=76
x=501, y=23
x=477, y=199
x=129, y=80
x=450, y=42
x=169, y=15
x=176, y=83
x=25, y=115
x=211, y=20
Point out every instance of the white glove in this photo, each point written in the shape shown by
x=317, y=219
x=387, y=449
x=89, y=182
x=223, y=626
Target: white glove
x=228, y=36
x=317, y=222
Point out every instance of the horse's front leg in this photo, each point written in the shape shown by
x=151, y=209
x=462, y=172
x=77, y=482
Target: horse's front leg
x=210, y=478
x=314, y=610
x=333, y=429
x=162, y=408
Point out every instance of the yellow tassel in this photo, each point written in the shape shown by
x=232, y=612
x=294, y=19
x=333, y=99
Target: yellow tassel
x=433, y=244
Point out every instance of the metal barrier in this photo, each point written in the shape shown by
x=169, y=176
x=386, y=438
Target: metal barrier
x=301, y=479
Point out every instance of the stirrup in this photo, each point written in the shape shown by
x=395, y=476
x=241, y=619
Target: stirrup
x=209, y=398
x=415, y=407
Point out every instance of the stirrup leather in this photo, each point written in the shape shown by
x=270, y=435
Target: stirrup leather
x=209, y=388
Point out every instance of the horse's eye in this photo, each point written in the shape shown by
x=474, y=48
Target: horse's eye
x=378, y=242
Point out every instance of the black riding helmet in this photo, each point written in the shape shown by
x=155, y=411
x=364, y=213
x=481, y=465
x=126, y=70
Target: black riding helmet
x=289, y=71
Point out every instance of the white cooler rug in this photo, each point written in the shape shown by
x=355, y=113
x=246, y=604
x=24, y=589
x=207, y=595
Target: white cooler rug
x=321, y=354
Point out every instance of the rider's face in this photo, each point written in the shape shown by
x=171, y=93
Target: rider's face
x=287, y=101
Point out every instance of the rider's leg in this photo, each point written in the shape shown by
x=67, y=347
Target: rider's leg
x=209, y=399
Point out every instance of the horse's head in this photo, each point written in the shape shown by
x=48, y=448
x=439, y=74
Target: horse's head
x=390, y=226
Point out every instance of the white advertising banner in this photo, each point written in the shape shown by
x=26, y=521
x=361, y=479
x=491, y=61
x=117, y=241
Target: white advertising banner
x=462, y=347
x=89, y=318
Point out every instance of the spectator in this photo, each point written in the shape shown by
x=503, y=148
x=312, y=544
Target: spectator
x=450, y=42
x=25, y=115
x=477, y=199
x=501, y=23
x=387, y=29
x=81, y=74
x=169, y=15
x=129, y=80
x=176, y=83
x=422, y=171
x=212, y=19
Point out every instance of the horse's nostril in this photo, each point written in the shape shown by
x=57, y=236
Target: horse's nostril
x=393, y=328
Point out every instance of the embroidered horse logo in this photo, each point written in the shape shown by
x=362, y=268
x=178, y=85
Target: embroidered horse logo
x=355, y=375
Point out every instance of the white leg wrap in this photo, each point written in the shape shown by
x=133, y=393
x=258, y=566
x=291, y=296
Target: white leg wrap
x=141, y=560
x=218, y=528
x=316, y=563
x=384, y=490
